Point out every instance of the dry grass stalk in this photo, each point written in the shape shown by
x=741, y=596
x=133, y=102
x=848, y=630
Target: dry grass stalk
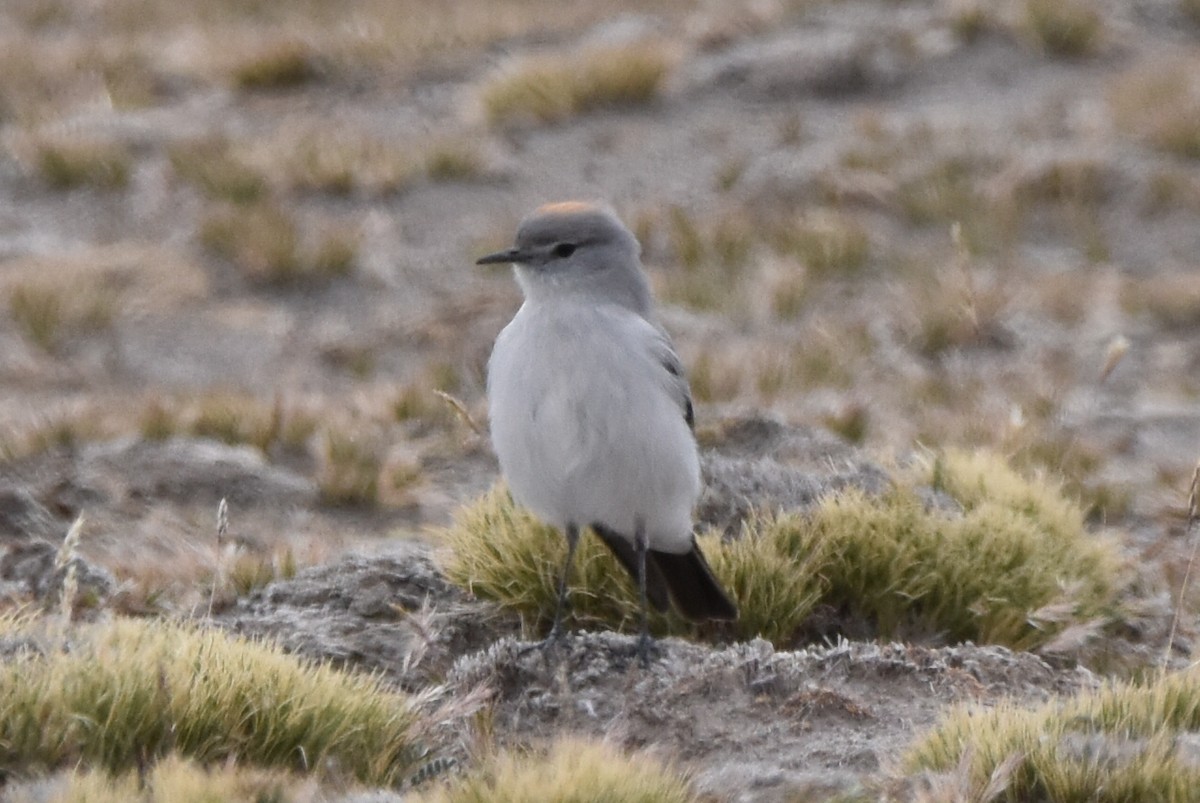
x=1192, y=505
x=1118, y=347
x=68, y=556
x=461, y=409
x=222, y=528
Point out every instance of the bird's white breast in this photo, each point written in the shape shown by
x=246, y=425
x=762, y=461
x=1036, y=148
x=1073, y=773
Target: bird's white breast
x=585, y=426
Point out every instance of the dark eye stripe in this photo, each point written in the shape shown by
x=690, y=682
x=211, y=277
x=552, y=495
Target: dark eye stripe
x=564, y=249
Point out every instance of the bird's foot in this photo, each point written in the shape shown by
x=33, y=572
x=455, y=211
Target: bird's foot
x=646, y=649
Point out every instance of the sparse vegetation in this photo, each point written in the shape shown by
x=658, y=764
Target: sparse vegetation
x=548, y=89
x=1123, y=742
x=127, y=692
x=182, y=180
x=570, y=770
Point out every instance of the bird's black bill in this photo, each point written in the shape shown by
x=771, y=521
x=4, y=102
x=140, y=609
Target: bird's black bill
x=501, y=257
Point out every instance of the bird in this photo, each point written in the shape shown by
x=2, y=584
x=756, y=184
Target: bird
x=591, y=414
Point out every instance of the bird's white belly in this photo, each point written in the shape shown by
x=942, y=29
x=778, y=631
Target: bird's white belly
x=610, y=447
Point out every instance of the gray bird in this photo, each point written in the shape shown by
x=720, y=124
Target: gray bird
x=590, y=412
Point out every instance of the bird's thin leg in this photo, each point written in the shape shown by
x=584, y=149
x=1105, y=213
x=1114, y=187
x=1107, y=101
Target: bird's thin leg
x=640, y=547
x=572, y=533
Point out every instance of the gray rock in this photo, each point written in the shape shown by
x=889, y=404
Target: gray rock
x=191, y=469
x=22, y=515
x=31, y=568
x=760, y=464
x=394, y=613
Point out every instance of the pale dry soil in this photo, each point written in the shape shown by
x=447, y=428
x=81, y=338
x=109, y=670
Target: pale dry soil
x=832, y=109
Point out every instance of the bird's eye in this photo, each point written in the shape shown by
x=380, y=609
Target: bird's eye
x=563, y=250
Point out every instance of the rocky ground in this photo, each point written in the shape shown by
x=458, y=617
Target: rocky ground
x=795, y=179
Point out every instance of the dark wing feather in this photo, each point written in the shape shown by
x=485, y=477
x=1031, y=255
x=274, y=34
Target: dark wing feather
x=677, y=382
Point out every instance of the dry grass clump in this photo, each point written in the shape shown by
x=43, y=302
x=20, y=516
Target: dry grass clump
x=267, y=245
x=172, y=779
x=548, y=89
x=954, y=308
x=350, y=469
x=126, y=692
x=944, y=192
x=970, y=19
x=455, y=160
x=716, y=376
x=1069, y=28
x=235, y=419
x=1160, y=105
x=336, y=161
x=232, y=418
x=1077, y=179
x=276, y=64
x=213, y=167
x=69, y=162
x=570, y=770
x=1123, y=742
x=64, y=431
x=49, y=314
x=713, y=257
x=890, y=565
x=1172, y=300
x=955, y=191
x=828, y=242
x=345, y=161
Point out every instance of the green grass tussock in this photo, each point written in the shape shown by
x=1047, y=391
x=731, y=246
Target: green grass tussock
x=1014, y=566
x=500, y=552
x=572, y=770
x=1123, y=742
x=550, y=89
x=126, y=692
x=776, y=584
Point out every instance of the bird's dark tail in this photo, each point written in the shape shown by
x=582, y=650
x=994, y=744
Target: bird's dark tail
x=697, y=594
x=656, y=584
x=685, y=578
